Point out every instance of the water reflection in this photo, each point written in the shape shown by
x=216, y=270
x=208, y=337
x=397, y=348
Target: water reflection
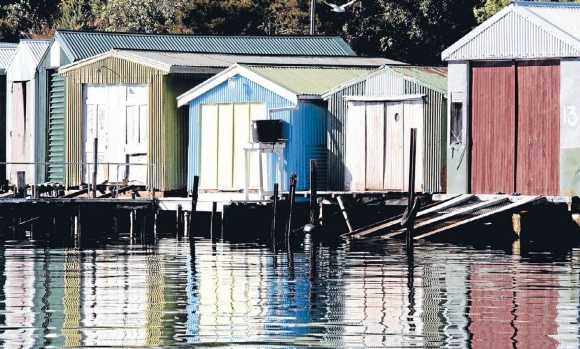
x=360, y=295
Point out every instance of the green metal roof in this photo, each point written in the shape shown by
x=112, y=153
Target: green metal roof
x=308, y=80
x=435, y=77
x=80, y=45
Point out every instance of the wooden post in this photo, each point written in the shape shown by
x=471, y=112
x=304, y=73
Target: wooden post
x=21, y=184
x=517, y=224
x=344, y=213
x=410, y=204
x=179, y=219
x=212, y=226
x=314, y=208
x=293, y=180
x=274, y=210
x=95, y=159
x=194, y=196
x=185, y=223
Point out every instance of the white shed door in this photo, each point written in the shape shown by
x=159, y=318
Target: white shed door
x=117, y=116
x=225, y=131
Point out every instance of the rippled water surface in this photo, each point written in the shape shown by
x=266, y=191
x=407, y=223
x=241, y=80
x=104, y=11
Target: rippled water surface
x=174, y=293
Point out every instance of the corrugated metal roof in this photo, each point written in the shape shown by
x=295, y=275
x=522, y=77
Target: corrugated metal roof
x=170, y=59
x=186, y=62
x=37, y=48
x=81, y=45
x=6, y=53
x=434, y=77
x=523, y=30
x=313, y=81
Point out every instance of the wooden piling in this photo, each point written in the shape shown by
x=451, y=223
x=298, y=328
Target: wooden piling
x=194, y=196
x=292, y=194
x=517, y=224
x=274, y=211
x=213, y=225
x=179, y=220
x=410, y=215
x=314, y=208
x=95, y=159
x=20, y=184
x=344, y=213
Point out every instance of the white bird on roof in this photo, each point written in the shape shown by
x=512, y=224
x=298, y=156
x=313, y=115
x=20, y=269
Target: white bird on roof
x=340, y=8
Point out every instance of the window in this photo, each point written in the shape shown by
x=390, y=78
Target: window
x=456, y=136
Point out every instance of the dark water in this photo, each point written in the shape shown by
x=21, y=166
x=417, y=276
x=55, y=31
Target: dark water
x=243, y=295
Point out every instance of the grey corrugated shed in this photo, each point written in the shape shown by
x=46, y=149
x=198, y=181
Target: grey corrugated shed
x=37, y=48
x=6, y=53
x=522, y=30
x=391, y=81
x=81, y=45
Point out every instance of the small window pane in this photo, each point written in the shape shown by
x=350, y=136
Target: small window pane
x=456, y=136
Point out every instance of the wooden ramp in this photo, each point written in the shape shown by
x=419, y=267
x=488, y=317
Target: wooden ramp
x=445, y=215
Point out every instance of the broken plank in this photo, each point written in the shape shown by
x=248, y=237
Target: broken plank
x=444, y=217
x=384, y=224
x=433, y=207
x=535, y=199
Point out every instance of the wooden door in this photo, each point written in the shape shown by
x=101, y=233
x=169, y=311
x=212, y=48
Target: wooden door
x=19, y=143
x=375, y=145
x=493, y=118
x=136, y=122
x=413, y=118
x=355, y=157
x=394, y=147
x=225, y=131
x=538, y=141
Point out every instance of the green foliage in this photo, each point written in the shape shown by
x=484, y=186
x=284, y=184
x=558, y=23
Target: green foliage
x=490, y=8
x=414, y=31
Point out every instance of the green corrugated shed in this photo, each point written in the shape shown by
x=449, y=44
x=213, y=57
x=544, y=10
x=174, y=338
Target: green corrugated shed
x=306, y=81
x=71, y=46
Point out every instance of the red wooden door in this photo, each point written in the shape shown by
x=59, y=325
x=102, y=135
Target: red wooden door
x=538, y=142
x=493, y=127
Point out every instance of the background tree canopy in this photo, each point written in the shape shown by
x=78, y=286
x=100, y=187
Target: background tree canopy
x=413, y=31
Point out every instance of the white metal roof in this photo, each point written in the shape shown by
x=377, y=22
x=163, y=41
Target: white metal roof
x=6, y=53
x=184, y=62
x=522, y=30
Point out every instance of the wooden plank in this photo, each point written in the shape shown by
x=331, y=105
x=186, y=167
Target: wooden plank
x=225, y=146
x=241, y=138
x=209, y=144
x=394, y=152
x=464, y=210
x=375, y=138
x=485, y=215
x=359, y=233
x=355, y=158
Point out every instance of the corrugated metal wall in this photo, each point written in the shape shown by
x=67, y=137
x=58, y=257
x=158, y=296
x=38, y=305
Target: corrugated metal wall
x=3, y=125
x=55, y=143
x=538, y=138
x=167, y=137
x=336, y=136
x=388, y=83
x=493, y=113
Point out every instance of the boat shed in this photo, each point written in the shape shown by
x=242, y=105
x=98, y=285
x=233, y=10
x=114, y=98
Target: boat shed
x=22, y=108
x=514, y=86
x=7, y=51
x=68, y=47
x=368, y=128
x=222, y=109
